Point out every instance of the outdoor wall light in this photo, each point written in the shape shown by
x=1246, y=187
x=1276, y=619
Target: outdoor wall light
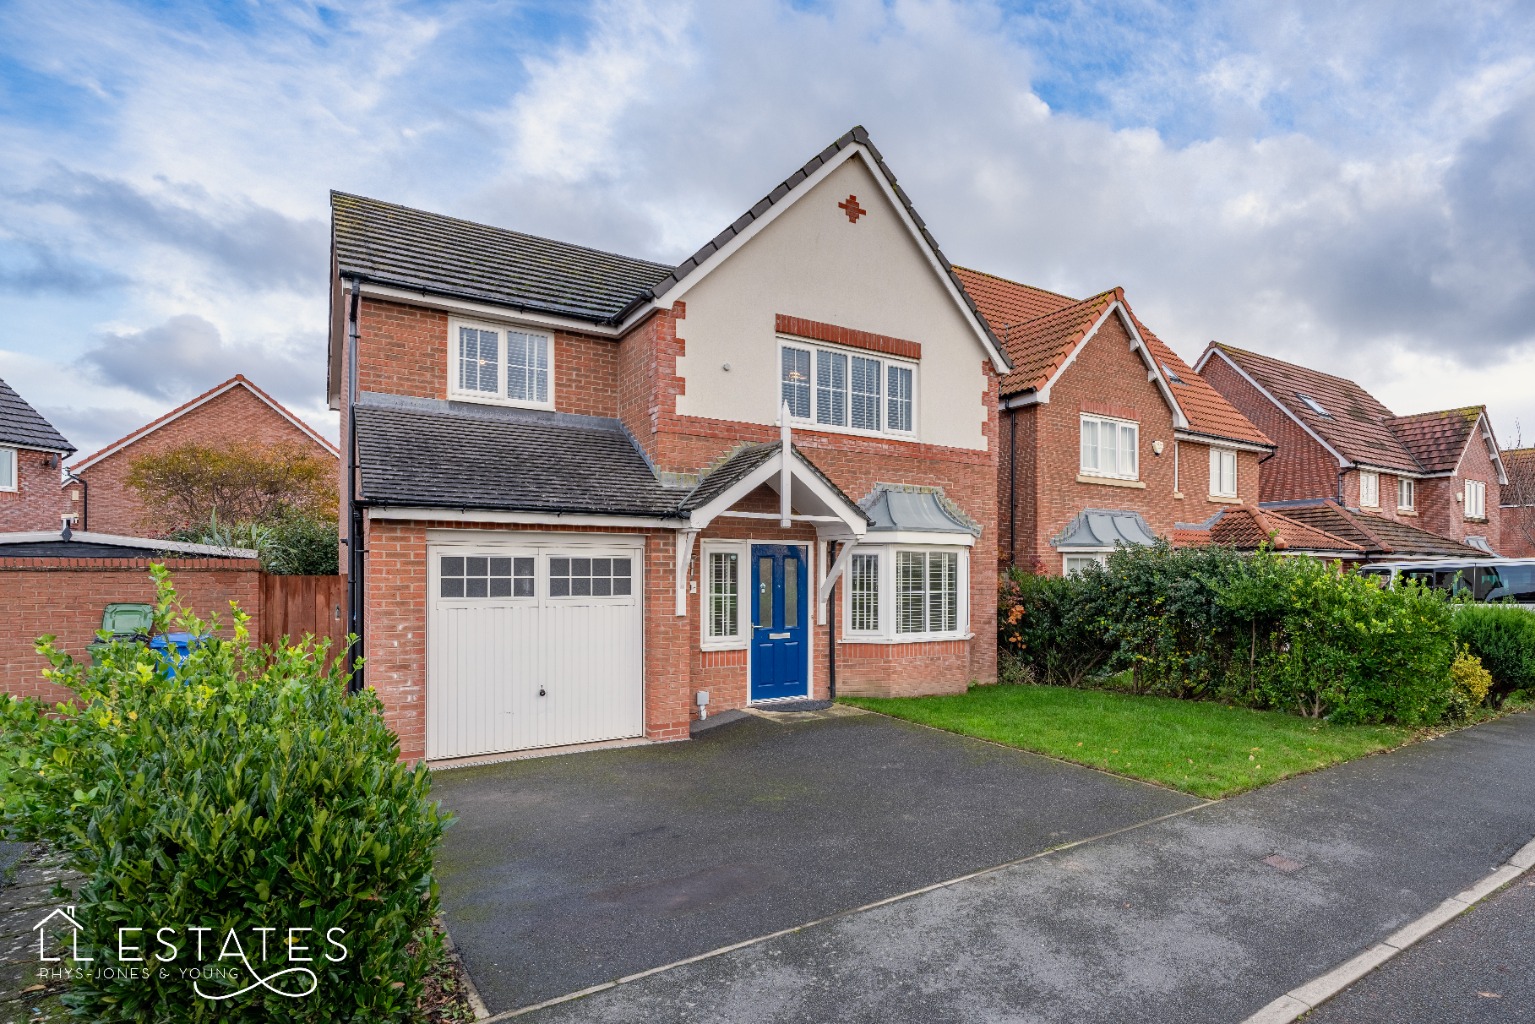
x=1156, y=447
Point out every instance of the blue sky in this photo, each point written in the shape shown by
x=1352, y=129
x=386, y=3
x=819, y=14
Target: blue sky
x=1344, y=185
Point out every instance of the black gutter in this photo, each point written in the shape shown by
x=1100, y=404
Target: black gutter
x=354, y=535
x=831, y=632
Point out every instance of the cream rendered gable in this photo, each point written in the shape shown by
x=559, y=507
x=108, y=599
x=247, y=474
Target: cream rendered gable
x=811, y=262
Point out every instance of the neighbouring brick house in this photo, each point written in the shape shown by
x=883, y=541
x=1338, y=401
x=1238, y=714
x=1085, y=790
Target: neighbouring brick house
x=236, y=413
x=594, y=491
x=30, y=454
x=1106, y=435
x=1438, y=473
x=1246, y=528
x=1517, y=503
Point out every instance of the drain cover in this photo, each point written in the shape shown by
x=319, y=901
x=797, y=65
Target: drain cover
x=1282, y=863
x=796, y=705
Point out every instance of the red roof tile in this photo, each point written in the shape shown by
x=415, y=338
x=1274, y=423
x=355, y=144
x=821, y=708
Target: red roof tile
x=1207, y=410
x=1437, y=439
x=1377, y=535
x=1519, y=464
x=1247, y=528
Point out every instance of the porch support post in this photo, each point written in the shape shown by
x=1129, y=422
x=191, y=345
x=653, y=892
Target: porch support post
x=837, y=569
x=784, y=444
x=685, y=540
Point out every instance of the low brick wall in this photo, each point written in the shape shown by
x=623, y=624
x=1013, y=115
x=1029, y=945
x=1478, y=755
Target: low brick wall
x=66, y=596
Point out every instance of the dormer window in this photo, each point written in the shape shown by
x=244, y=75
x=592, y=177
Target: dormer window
x=496, y=363
x=1313, y=405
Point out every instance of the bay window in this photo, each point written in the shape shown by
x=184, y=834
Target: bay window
x=927, y=592
x=898, y=594
x=1110, y=447
x=495, y=363
x=851, y=391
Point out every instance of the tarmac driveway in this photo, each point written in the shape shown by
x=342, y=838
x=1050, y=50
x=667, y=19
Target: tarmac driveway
x=565, y=872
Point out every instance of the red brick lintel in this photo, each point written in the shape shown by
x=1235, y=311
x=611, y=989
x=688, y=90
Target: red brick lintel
x=832, y=334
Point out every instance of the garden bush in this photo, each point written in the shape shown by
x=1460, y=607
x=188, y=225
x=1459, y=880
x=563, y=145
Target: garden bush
x=248, y=791
x=1503, y=637
x=1472, y=683
x=1052, y=628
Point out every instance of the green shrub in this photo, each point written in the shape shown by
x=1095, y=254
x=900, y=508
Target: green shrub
x=295, y=544
x=249, y=791
x=1472, y=683
x=1503, y=638
x=1051, y=628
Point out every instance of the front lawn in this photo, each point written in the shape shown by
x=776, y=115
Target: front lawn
x=1210, y=750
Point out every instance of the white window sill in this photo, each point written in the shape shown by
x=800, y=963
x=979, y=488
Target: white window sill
x=723, y=645
x=1370, y=508
x=831, y=428
x=1407, y=512
x=906, y=638
x=505, y=403
x=1225, y=499
x=1110, y=481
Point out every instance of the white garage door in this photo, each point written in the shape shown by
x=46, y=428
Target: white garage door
x=533, y=645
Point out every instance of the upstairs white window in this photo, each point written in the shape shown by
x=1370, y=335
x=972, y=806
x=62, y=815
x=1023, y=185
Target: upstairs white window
x=1110, y=447
x=492, y=363
x=1406, y=493
x=847, y=391
x=1223, y=473
x=8, y=469
x=1476, y=499
x=1369, y=490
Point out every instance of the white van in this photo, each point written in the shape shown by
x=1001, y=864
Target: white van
x=1492, y=580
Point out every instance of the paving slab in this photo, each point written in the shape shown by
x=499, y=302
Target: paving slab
x=565, y=872
x=1181, y=920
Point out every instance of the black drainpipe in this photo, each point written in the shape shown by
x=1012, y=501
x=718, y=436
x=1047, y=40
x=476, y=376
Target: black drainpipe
x=1012, y=488
x=354, y=536
x=831, y=638
x=85, y=500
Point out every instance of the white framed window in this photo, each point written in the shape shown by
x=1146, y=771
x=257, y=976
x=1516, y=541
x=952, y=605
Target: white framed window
x=724, y=613
x=1076, y=563
x=8, y=470
x=863, y=578
x=1223, y=473
x=850, y=391
x=1476, y=499
x=1369, y=489
x=926, y=592
x=1406, y=493
x=1110, y=447
x=495, y=363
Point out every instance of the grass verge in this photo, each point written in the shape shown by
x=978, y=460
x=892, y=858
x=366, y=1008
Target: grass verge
x=1210, y=750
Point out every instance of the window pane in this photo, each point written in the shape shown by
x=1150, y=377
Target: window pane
x=452, y=586
x=796, y=381
x=527, y=367
x=765, y=591
x=475, y=586
x=910, y=570
x=865, y=393
x=898, y=398
x=1108, y=449
x=477, y=360
x=942, y=592
x=1129, y=455
x=724, y=594
x=559, y=586
x=8, y=468
x=791, y=593
x=1089, y=445
x=864, y=594
x=831, y=388
x=452, y=566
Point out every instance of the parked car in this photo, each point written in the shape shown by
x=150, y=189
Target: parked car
x=1485, y=579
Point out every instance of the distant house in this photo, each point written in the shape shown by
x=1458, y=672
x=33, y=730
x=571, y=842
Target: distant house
x=234, y=413
x=1107, y=436
x=30, y=454
x=1247, y=528
x=1517, y=505
x=1436, y=472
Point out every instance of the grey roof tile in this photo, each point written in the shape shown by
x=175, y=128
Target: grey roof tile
x=24, y=426
x=441, y=454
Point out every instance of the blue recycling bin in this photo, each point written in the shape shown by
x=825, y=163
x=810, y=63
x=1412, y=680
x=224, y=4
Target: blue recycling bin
x=173, y=648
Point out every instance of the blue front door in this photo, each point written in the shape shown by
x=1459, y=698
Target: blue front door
x=780, y=620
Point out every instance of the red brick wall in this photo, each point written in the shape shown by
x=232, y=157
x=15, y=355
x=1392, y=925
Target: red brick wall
x=38, y=503
x=1301, y=468
x=1517, y=530
x=1441, y=513
x=236, y=417
x=66, y=596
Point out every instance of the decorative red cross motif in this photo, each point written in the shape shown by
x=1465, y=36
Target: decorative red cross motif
x=852, y=209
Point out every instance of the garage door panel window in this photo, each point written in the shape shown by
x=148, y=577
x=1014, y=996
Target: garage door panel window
x=581, y=576
x=486, y=576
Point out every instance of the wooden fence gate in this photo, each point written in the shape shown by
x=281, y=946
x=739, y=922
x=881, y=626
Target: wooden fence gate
x=292, y=606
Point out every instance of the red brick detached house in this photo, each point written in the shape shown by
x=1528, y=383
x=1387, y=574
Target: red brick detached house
x=31, y=452
x=1107, y=437
x=596, y=492
x=235, y=413
x=1436, y=473
x=1517, y=504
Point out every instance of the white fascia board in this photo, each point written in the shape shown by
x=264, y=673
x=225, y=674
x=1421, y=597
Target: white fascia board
x=1220, y=442
x=1484, y=428
x=916, y=538
x=1138, y=343
x=485, y=310
x=521, y=518
x=798, y=192
x=1342, y=462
